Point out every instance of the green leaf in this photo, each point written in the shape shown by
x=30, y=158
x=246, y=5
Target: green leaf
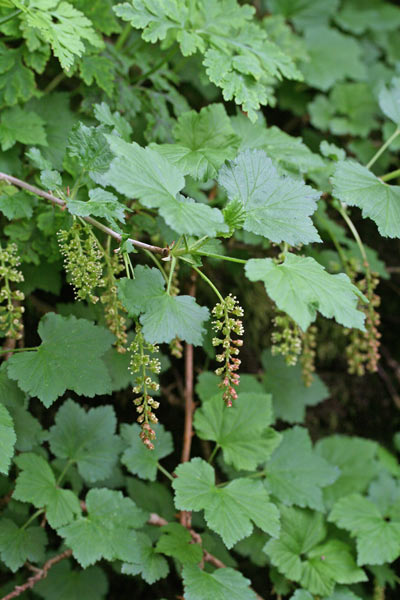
x=135, y=294
x=101, y=204
x=61, y=25
x=203, y=141
x=165, y=317
x=67, y=344
x=100, y=12
x=107, y=531
x=36, y=483
x=169, y=317
x=142, y=172
x=300, y=555
x=104, y=115
x=17, y=82
x=228, y=510
x=89, y=146
x=300, y=286
x=325, y=68
x=71, y=584
x=357, y=186
x=17, y=125
x=87, y=439
x=55, y=109
x=290, y=396
x=301, y=595
x=177, y=542
x=349, y=108
x=50, y=179
x=242, y=432
x=137, y=458
x=296, y=473
x=7, y=439
x=276, y=207
x=145, y=560
x=15, y=204
x=378, y=540
x=18, y=545
x=100, y=69
x=356, y=459
x=363, y=15
x=146, y=174
x=222, y=584
x=389, y=100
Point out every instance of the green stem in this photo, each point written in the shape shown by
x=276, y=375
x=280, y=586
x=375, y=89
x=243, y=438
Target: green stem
x=213, y=453
x=54, y=82
x=210, y=283
x=63, y=472
x=126, y=263
x=10, y=16
x=157, y=262
x=383, y=148
x=123, y=36
x=164, y=471
x=18, y=350
x=32, y=518
x=171, y=272
x=354, y=232
x=222, y=257
x=156, y=67
x=391, y=175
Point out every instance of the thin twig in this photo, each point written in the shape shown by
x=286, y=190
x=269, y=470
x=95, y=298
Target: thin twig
x=40, y=574
x=62, y=204
x=389, y=385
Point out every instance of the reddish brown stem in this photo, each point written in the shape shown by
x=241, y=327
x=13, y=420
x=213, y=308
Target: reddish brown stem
x=62, y=204
x=40, y=574
x=189, y=405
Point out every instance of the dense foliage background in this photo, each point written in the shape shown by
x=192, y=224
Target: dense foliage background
x=199, y=387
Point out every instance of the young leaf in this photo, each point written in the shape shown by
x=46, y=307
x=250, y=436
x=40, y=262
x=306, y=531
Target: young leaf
x=36, y=483
x=228, y=510
x=290, y=396
x=242, y=432
x=176, y=541
x=67, y=344
x=378, y=539
x=18, y=544
x=137, y=458
x=100, y=69
x=277, y=208
x=72, y=584
x=203, y=141
x=7, y=439
x=87, y=439
x=222, y=584
x=108, y=530
x=389, y=101
x=145, y=560
x=300, y=286
x=357, y=186
x=135, y=294
x=296, y=474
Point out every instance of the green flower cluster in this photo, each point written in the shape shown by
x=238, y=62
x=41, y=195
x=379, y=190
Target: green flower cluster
x=286, y=338
x=82, y=260
x=226, y=323
x=113, y=308
x=10, y=299
x=145, y=365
